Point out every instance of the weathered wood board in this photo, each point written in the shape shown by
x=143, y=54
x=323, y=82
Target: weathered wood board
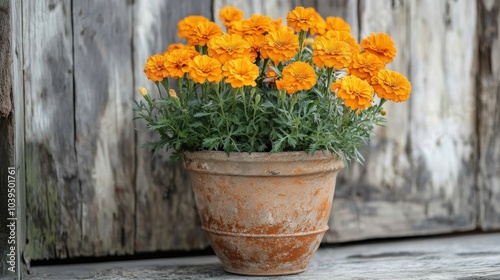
x=52, y=183
x=436, y=258
x=418, y=176
x=166, y=217
x=488, y=132
x=104, y=138
x=7, y=132
x=372, y=196
x=11, y=138
x=92, y=191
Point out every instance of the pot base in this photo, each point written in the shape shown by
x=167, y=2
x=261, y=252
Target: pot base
x=271, y=255
x=271, y=273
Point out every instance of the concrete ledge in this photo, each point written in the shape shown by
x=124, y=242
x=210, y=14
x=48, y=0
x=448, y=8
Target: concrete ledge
x=474, y=256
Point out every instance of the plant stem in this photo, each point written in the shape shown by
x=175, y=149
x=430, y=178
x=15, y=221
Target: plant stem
x=221, y=105
x=302, y=36
x=242, y=92
x=329, y=72
x=264, y=65
x=234, y=102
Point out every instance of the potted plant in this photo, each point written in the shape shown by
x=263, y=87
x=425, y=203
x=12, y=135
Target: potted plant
x=264, y=116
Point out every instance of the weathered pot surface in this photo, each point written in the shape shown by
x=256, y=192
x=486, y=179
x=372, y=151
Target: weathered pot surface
x=264, y=214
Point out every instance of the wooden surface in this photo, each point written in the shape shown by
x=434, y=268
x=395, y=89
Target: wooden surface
x=92, y=191
x=463, y=257
x=7, y=130
x=52, y=182
x=488, y=86
x=418, y=176
x=104, y=139
x=18, y=98
x=166, y=217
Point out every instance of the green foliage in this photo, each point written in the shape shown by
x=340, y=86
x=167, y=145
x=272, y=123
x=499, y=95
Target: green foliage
x=257, y=119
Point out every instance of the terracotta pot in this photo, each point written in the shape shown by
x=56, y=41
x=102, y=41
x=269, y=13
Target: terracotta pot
x=264, y=214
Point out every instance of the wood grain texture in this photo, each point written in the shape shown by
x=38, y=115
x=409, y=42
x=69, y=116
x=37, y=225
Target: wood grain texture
x=19, y=155
x=7, y=130
x=166, y=216
x=5, y=59
x=418, y=177
x=369, y=200
x=488, y=85
x=53, y=202
x=465, y=257
x=104, y=138
x=19, y=107
x=442, y=126
x=92, y=191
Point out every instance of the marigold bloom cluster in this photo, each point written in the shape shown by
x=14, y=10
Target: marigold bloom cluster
x=306, y=53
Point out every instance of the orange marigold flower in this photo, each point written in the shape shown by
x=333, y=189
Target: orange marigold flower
x=204, y=67
x=177, y=62
x=277, y=23
x=381, y=45
x=255, y=45
x=173, y=47
x=236, y=27
x=280, y=84
x=331, y=53
x=280, y=45
x=203, y=32
x=255, y=25
x=227, y=47
x=345, y=37
x=337, y=24
x=298, y=76
x=356, y=93
x=240, y=72
x=230, y=14
x=155, y=68
x=320, y=26
x=391, y=85
x=186, y=24
x=301, y=19
x=365, y=66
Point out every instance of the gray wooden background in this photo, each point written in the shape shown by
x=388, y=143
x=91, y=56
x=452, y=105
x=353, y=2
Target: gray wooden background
x=92, y=191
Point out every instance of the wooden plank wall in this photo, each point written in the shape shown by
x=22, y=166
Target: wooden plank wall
x=488, y=114
x=7, y=153
x=11, y=135
x=166, y=217
x=104, y=138
x=92, y=191
x=419, y=174
x=52, y=182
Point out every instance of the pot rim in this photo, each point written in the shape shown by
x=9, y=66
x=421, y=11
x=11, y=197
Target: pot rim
x=262, y=163
x=268, y=156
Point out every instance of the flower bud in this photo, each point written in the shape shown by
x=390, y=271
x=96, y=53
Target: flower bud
x=383, y=112
x=172, y=93
x=257, y=99
x=143, y=91
x=252, y=92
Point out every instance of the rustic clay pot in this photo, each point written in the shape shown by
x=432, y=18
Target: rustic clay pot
x=264, y=214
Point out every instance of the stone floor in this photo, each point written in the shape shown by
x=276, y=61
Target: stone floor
x=473, y=256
